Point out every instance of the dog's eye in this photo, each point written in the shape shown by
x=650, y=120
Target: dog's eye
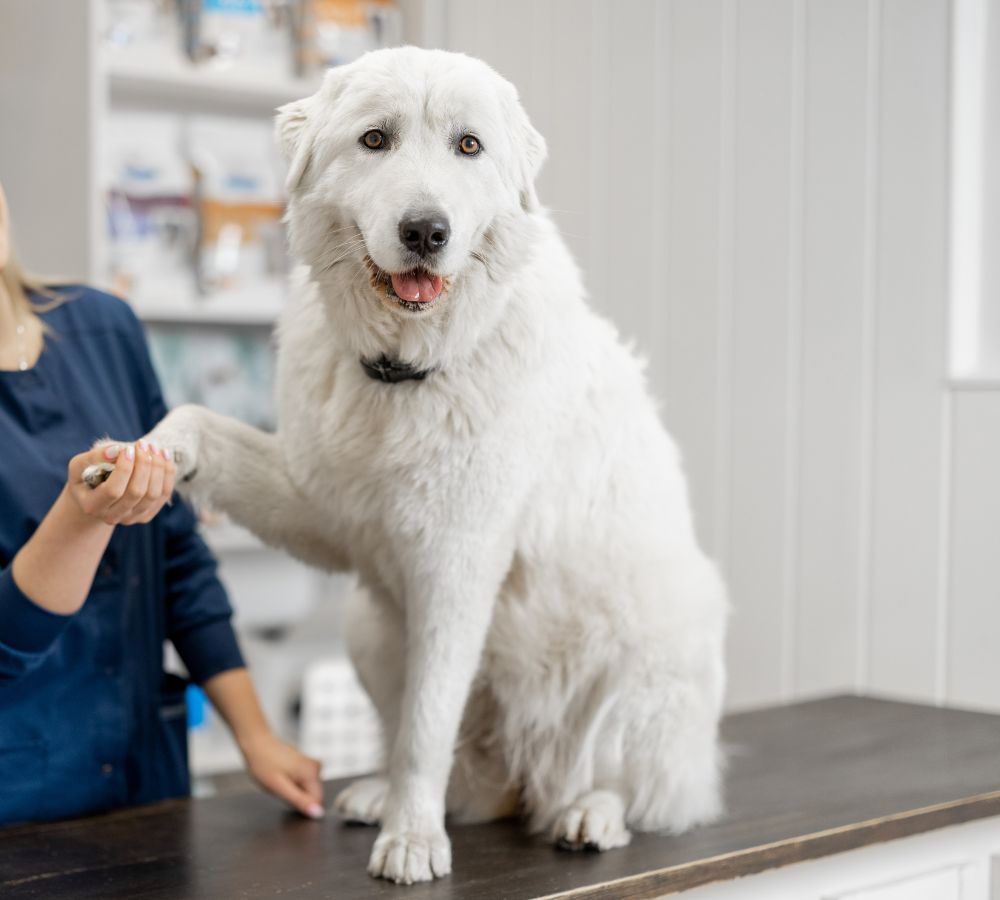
x=469, y=145
x=373, y=140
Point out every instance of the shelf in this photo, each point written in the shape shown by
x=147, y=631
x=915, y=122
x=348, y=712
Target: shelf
x=260, y=307
x=207, y=313
x=154, y=75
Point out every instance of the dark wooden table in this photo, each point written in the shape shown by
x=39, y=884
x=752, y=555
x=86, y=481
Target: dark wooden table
x=804, y=781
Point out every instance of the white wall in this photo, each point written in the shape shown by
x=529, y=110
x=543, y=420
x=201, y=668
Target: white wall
x=49, y=112
x=758, y=191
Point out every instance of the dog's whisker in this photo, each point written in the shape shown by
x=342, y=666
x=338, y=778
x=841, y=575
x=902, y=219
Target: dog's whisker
x=353, y=243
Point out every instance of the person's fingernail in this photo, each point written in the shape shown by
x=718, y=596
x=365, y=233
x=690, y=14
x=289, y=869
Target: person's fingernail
x=130, y=452
x=143, y=446
x=315, y=811
x=167, y=455
x=112, y=452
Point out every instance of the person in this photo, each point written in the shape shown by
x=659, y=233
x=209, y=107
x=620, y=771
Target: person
x=92, y=581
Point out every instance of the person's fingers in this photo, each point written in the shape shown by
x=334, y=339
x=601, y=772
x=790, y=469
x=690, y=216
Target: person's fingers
x=309, y=780
x=150, y=504
x=104, y=454
x=159, y=473
x=170, y=475
x=138, y=484
x=90, y=501
x=283, y=786
x=117, y=484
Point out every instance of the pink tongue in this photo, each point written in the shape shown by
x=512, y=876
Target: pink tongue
x=417, y=287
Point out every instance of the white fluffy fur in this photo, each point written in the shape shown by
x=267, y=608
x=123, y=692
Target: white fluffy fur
x=519, y=520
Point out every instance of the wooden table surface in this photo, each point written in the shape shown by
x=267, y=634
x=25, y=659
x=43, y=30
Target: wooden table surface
x=804, y=781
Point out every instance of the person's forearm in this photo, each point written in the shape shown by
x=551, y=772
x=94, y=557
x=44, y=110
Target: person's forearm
x=56, y=567
x=232, y=693
x=276, y=766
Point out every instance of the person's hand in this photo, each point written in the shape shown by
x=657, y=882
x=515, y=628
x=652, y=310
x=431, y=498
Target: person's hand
x=142, y=482
x=285, y=772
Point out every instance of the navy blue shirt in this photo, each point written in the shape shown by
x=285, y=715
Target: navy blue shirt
x=88, y=719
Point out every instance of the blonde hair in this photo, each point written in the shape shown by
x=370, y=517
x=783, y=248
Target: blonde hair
x=20, y=284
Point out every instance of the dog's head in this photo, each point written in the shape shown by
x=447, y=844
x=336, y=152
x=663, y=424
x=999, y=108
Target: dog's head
x=409, y=171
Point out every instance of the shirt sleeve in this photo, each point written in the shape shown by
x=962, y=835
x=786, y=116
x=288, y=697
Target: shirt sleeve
x=27, y=631
x=198, y=613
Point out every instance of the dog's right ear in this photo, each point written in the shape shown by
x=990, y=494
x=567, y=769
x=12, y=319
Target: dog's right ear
x=294, y=135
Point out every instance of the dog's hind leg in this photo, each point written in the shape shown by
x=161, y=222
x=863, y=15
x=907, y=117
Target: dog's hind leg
x=244, y=472
x=481, y=787
x=595, y=821
x=376, y=644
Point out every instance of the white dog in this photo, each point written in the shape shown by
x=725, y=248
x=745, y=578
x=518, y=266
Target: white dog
x=537, y=625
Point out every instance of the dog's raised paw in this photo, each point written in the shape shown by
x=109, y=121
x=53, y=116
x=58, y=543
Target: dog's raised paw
x=596, y=821
x=409, y=857
x=180, y=432
x=362, y=801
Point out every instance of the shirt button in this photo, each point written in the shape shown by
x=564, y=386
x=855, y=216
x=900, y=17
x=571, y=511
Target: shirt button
x=107, y=769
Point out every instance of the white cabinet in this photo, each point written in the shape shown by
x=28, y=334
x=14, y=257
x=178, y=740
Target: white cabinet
x=954, y=863
x=945, y=884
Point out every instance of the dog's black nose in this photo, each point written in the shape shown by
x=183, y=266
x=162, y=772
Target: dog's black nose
x=425, y=234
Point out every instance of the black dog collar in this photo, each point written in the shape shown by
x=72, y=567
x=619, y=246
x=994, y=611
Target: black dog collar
x=392, y=371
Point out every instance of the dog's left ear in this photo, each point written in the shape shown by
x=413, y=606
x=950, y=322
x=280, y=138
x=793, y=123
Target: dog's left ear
x=292, y=131
x=297, y=124
x=529, y=151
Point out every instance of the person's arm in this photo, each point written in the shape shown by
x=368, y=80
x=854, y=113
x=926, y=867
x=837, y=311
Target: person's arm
x=51, y=575
x=276, y=766
x=199, y=625
x=56, y=567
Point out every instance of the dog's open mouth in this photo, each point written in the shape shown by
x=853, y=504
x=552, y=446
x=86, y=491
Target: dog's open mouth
x=415, y=291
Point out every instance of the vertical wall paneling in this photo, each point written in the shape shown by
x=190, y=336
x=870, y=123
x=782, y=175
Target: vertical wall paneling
x=866, y=434
x=600, y=184
x=727, y=285
x=945, y=485
x=757, y=191
x=541, y=62
x=628, y=131
x=565, y=183
x=832, y=367
x=658, y=262
x=969, y=71
x=973, y=675
x=990, y=285
x=910, y=354
x=760, y=346
x=793, y=361
x=462, y=29
x=685, y=328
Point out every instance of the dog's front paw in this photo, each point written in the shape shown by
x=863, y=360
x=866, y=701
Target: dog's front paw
x=180, y=433
x=410, y=856
x=595, y=822
x=363, y=800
